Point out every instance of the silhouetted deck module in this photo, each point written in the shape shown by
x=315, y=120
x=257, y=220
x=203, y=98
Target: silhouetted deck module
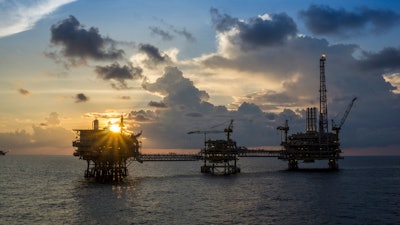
x=314, y=144
x=219, y=156
x=106, y=151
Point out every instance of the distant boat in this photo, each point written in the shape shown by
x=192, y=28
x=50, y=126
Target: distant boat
x=3, y=152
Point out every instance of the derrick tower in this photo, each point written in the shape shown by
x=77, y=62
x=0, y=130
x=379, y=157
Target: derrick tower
x=314, y=144
x=323, y=104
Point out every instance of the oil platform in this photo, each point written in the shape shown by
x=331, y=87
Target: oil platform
x=106, y=151
x=219, y=156
x=314, y=144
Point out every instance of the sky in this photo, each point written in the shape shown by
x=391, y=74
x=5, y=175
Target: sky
x=170, y=67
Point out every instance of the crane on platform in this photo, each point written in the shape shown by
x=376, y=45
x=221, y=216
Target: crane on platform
x=284, y=129
x=336, y=127
x=227, y=130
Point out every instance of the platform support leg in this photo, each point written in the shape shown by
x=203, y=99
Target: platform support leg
x=333, y=165
x=293, y=164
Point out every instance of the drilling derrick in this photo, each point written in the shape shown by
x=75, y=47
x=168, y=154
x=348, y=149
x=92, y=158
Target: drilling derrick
x=314, y=144
x=323, y=105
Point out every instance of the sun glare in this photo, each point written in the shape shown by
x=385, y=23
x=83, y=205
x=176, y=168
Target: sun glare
x=115, y=128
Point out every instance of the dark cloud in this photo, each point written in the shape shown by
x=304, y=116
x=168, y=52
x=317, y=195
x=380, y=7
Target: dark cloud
x=324, y=20
x=270, y=97
x=294, y=69
x=177, y=90
x=194, y=114
x=24, y=92
x=157, y=104
x=165, y=35
x=186, y=34
x=386, y=60
x=81, y=98
x=257, y=31
x=152, y=52
x=118, y=73
x=154, y=56
x=79, y=44
x=249, y=108
x=142, y=116
x=169, y=32
x=260, y=32
x=189, y=109
x=222, y=22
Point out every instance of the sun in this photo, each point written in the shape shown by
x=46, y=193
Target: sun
x=115, y=128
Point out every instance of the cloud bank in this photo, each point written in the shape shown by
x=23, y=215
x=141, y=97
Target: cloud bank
x=268, y=71
x=324, y=20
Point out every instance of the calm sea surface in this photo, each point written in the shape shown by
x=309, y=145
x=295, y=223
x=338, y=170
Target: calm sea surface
x=52, y=190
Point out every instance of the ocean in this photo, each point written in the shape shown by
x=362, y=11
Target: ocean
x=52, y=190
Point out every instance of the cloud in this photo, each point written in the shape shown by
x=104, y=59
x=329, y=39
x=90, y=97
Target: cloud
x=269, y=30
x=170, y=31
x=189, y=109
x=157, y=104
x=22, y=16
x=79, y=44
x=324, y=20
x=80, y=97
x=394, y=80
x=186, y=34
x=118, y=73
x=386, y=60
x=109, y=114
x=249, y=108
x=142, y=116
x=53, y=119
x=165, y=35
x=177, y=90
x=124, y=97
x=283, y=79
x=24, y=92
x=46, y=138
x=153, y=57
x=223, y=22
x=270, y=74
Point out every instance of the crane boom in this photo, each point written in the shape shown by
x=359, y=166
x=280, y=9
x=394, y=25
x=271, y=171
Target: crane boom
x=346, y=113
x=227, y=130
x=205, y=132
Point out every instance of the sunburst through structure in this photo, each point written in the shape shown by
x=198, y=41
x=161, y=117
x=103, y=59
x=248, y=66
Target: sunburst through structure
x=106, y=151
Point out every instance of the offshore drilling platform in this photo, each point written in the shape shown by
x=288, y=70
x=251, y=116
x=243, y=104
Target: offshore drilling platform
x=106, y=151
x=219, y=156
x=314, y=144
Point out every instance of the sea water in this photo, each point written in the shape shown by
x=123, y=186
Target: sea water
x=52, y=190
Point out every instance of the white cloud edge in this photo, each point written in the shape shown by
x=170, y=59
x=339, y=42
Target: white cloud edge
x=23, y=16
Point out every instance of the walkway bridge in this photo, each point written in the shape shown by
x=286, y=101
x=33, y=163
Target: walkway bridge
x=199, y=156
x=170, y=157
x=259, y=153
